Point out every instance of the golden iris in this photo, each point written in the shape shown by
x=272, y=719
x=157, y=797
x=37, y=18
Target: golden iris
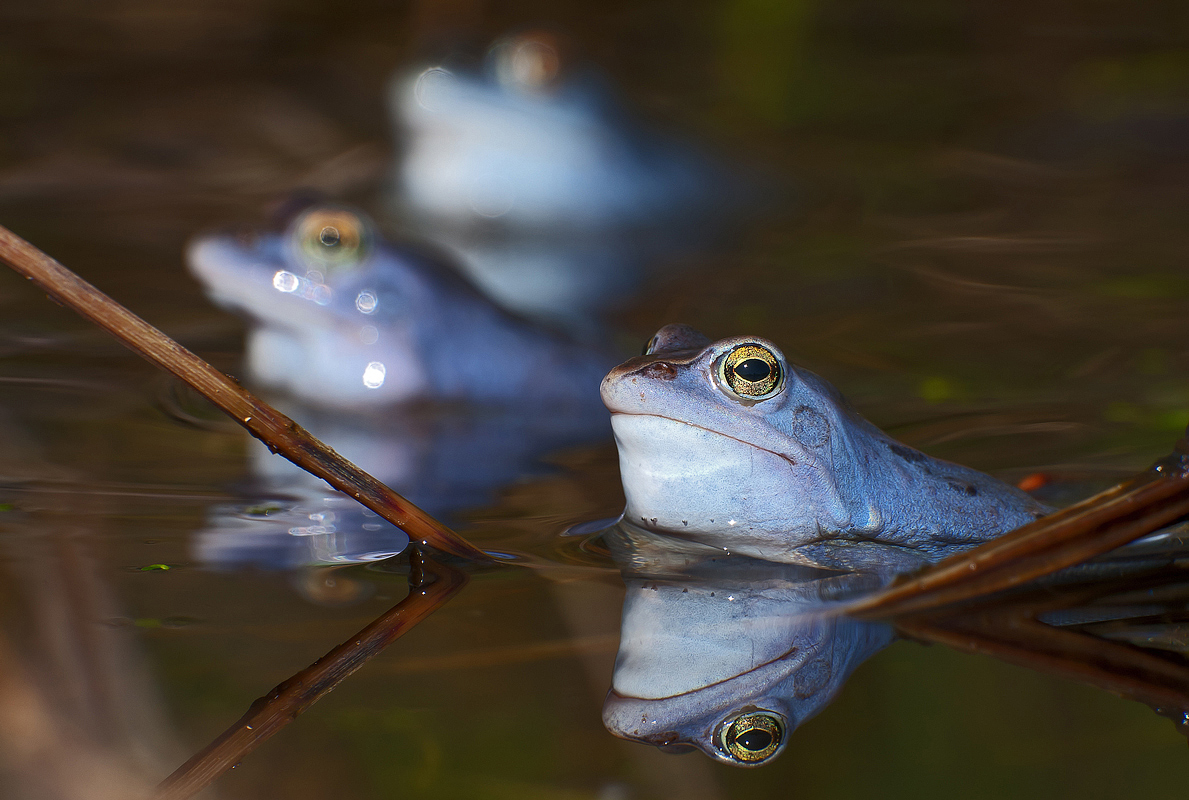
x=752, y=372
x=752, y=738
x=332, y=238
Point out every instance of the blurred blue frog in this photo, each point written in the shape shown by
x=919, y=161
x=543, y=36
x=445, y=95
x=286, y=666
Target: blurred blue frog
x=537, y=178
x=397, y=363
x=340, y=318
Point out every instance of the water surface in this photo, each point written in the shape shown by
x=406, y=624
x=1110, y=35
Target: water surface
x=979, y=237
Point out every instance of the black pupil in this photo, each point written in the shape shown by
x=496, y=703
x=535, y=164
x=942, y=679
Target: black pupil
x=329, y=236
x=753, y=369
x=755, y=740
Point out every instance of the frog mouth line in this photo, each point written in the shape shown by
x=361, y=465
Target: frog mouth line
x=772, y=672
x=783, y=657
x=708, y=430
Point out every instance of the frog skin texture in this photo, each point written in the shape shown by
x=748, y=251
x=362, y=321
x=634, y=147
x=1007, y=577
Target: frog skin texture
x=794, y=476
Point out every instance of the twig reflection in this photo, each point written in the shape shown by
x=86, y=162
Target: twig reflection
x=431, y=585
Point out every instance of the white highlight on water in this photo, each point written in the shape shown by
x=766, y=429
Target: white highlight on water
x=373, y=375
x=366, y=302
x=285, y=281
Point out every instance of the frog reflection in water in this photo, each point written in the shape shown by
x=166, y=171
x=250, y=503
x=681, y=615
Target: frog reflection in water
x=728, y=444
x=757, y=498
x=728, y=653
x=341, y=319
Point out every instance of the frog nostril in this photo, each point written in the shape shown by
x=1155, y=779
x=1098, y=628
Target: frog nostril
x=661, y=370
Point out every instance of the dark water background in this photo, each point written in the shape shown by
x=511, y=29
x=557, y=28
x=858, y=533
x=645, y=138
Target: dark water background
x=985, y=251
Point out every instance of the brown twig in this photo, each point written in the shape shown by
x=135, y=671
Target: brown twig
x=280, y=433
x=280, y=706
x=1108, y=520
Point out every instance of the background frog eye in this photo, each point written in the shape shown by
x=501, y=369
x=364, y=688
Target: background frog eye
x=752, y=738
x=530, y=62
x=332, y=238
x=752, y=372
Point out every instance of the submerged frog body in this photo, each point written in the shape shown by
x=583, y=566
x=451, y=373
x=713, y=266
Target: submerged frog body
x=342, y=319
x=728, y=444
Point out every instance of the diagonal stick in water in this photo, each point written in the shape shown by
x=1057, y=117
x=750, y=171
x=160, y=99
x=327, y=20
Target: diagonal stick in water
x=270, y=426
x=280, y=706
x=1134, y=508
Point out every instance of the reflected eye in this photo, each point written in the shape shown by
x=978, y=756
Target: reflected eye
x=332, y=238
x=752, y=738
x=752, y=372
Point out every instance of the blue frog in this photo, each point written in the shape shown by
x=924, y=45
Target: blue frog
x=727, y=443
x=340, y=318
x=557, y=202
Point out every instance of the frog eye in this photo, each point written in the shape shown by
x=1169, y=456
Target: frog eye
x=752, y=372
x=332, y=238
x=530, y=62
x=650, y=347
x=752, y=738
